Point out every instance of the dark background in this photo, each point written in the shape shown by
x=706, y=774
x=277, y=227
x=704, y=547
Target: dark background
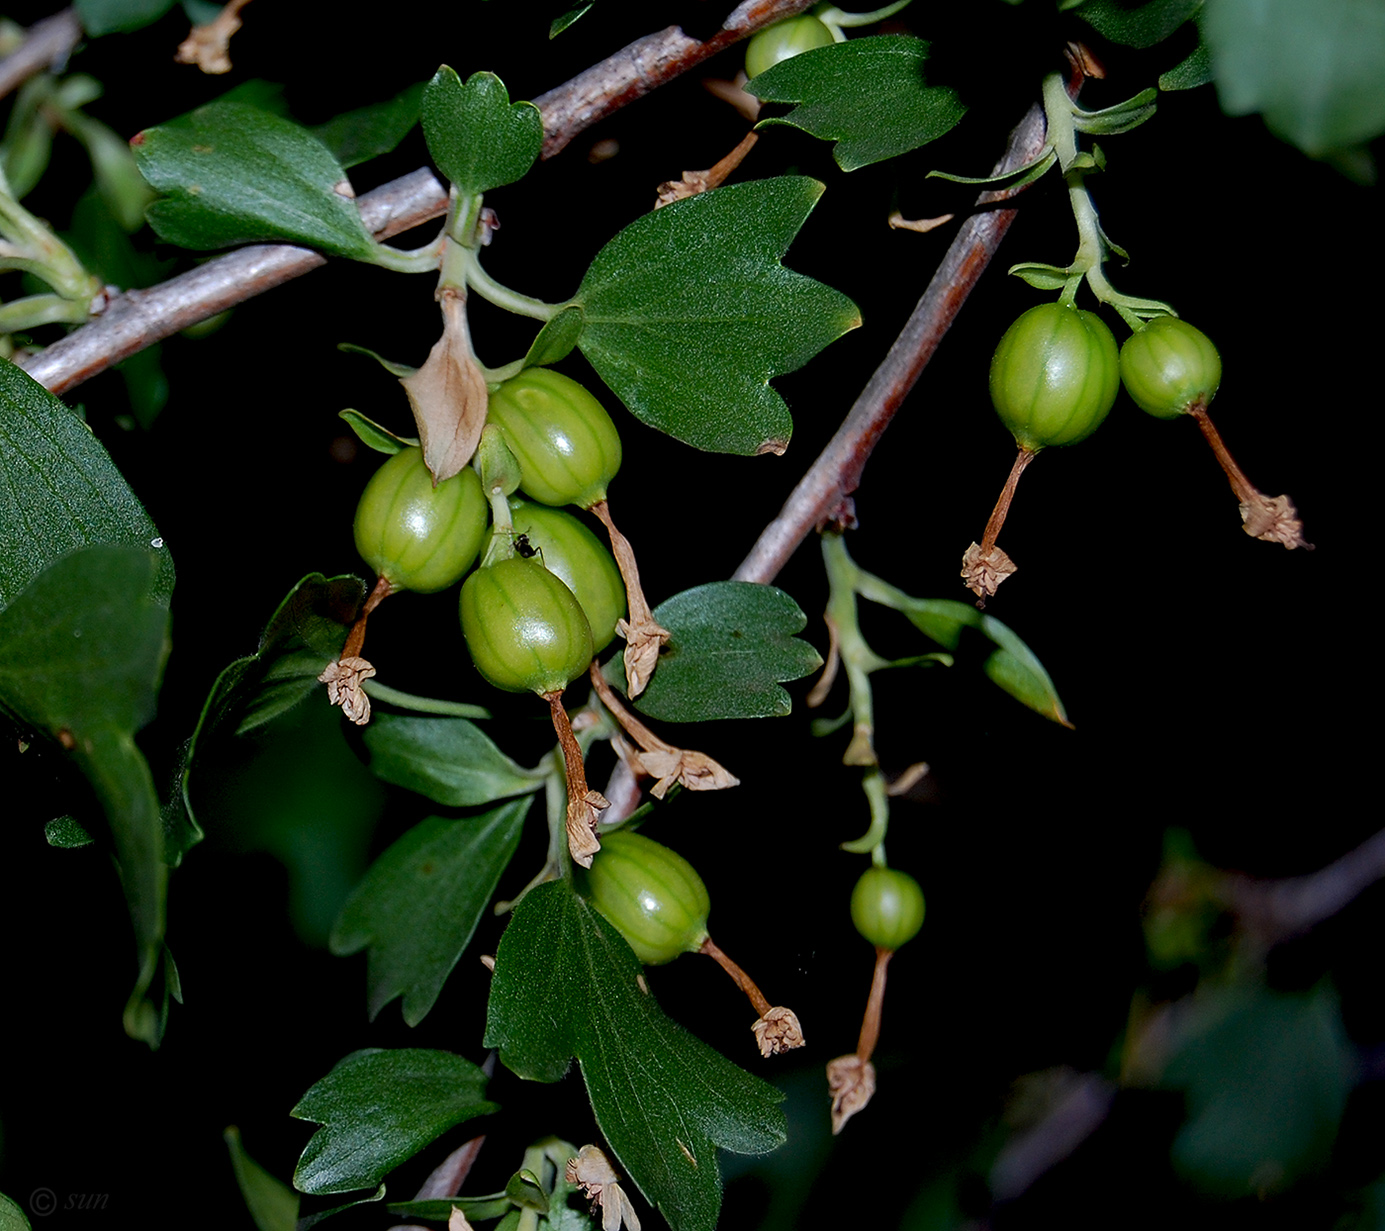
x=1216, y=683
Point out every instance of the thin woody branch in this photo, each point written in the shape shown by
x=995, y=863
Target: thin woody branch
x=837, y=471
x=137, y=319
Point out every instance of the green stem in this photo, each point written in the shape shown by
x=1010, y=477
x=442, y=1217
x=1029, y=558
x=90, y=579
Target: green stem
x=413, y=261
x=35, y=310
x=830, y=15
x=512, y=301
x=857, y=658
x=872, y=842
x=422, y=705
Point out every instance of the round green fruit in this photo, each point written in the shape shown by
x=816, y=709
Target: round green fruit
x=566, y=445
x=417, y=536
x=525, y=629
x=1168, y=366
x=782, y=41
x=887, y=907
x=1054, y=376
x=651, y=895
x=576, y=555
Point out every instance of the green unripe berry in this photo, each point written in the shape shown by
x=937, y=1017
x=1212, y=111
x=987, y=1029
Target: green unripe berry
x=784, y=40
x=417, y=536
x=566, y=445
x=1168, y=366
x=1054, y=376
x=651, y=895
x=887, y=907
x=525, y=629
x=576, y=555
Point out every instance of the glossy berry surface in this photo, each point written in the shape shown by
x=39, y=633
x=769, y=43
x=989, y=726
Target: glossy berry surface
x=566, y=445
x=887, y=907
x=1054, y=376
x=1168, y=366
x=524, y=628
x=576, y=555
x=652, y=895
x=418, y=536
x=782, y=41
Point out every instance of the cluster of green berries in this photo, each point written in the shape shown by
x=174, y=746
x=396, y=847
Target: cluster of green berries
x=533, y=619
x=1056, y=372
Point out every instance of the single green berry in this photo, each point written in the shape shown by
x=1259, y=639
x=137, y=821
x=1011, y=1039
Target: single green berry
x=887, y=907
x=1054, y=376
x=1170, y=366
x=525, y=629
x=575, y=554
x=417, y=536
x=650, y=894
x=784, y=40
x=566, y=445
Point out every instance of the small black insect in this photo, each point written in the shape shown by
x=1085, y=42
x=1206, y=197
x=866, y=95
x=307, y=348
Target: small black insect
x=525, y=548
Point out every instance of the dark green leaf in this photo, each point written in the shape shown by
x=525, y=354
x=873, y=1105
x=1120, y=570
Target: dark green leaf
x=1137, y=23
x=233, y=174
x=304, y=635
x=450, y=760
x=112, y=16
x=420, y=902
x=1266, y=1077
x=66, y=832
x=563, y=21
x=479, y=140
x=567, y=985
x=867, y=94
x=366, y=133
x=82, y=650
x=1011, y=665
x=272, y=1204
x=688, y=313
x=378, y=1109
x=1313, y=70
x=477, y=1209
x=59, y=490
x=1042, y=277
x=731, y=644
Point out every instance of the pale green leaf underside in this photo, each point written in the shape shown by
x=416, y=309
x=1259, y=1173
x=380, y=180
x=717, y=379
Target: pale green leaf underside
x=567, y=984
x=688, y=314
x=867, y=94
x=450, y=760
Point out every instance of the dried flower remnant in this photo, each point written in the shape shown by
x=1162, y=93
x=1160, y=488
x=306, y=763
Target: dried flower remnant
x=777, y=1029
x=851, y=1081
x=644, y=636
x=695, y=182
x=209, y=46
x=656, y=758
x=598, y=1179
x=448, y=394
x=1272, y=518
x=344, y=679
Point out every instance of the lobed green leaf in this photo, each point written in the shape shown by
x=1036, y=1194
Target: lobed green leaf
x=235, y=174
x=566, y=984
x=687, y=314
x=477, y=138
x=1138, y=25
x=867, y=94
x=419, y=904
x=377, y=1109
x=731, y=644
